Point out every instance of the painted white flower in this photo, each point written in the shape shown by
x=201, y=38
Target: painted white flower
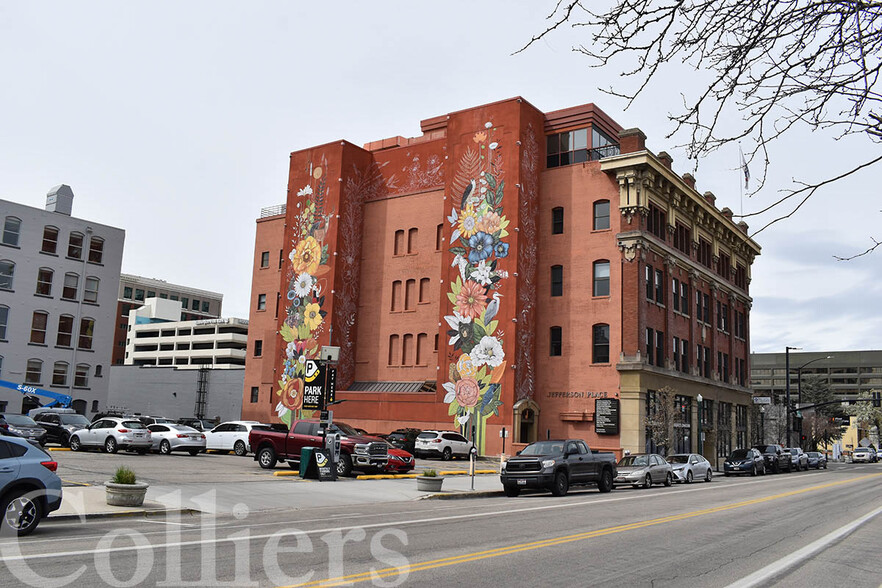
x=488, y=351
x=456, y=259
x=303, y=284
x=488, y=125
x=482, y=273
x=463, y=419
x=451, y=392
x=493, y=146
x=281, y=409
x=453, y=218
x=290, y=349
x=318, y=289
x=305, y=191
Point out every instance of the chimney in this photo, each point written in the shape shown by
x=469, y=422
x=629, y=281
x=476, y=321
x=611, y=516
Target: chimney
x=689, y=179
x=711, y=199
x=727, y=212
x=631, y=141
x=743, y=226
x=666, y=159
x=60, y=199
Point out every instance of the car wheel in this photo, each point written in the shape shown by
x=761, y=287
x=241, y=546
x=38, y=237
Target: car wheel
x=669, y=479
x=64, y=442
x=21, y=513
x=165, y=447
x=753, y=471
x=709, y=475
x=511, y=491
x=561, y=484
x=344, y=465
x=110, y=445
x=647, y=482
x=239, y=448
x=193, y=452
x=266, y=457
x=75, y=443
x=606, y=481
x=447, y=454
x=689, y=477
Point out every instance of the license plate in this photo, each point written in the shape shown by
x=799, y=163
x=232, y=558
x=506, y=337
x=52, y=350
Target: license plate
x=522, y=482
x=139, y=434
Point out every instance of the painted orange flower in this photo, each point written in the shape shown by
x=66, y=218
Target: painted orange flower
x=306, y=256
x=480, y=137
x=471, y=299
x=466, y=367
x=489, y=223
x=468, y=391
x=292, y=394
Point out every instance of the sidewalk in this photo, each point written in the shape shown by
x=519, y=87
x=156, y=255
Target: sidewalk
x=279, y=493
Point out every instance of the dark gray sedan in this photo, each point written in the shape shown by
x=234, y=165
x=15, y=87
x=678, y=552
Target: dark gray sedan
x=25, y=426
x=816, y=460
x=744, y=461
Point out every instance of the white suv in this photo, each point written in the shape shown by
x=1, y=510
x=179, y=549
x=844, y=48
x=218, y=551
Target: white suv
x=864, y=454
x=113, y=434
x=443, y=444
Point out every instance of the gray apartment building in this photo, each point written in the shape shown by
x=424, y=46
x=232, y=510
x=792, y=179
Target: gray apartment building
x=848, y=373
x=59, y=278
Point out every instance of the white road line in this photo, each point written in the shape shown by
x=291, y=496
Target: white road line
x=767, y=573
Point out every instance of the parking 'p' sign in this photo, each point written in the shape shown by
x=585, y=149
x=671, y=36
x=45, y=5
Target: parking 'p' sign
x=312, y=370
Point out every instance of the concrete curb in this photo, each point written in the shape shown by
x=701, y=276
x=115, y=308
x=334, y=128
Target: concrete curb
x=57, y=448
x=153, y=512
x=463, y=494
x=406, y=476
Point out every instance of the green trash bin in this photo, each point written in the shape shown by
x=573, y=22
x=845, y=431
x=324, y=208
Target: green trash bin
x=307, y=463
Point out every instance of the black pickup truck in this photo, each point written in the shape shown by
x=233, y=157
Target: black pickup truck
x=556, y=465
x=776, y=458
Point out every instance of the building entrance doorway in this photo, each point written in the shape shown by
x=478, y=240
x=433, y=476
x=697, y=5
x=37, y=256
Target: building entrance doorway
x=526, y=421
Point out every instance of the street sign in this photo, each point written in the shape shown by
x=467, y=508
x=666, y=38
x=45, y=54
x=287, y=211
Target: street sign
x=313, y=389
x=762, y=400
x=331, y=385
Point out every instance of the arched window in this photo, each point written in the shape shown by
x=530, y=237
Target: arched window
x=399, y=243
x=7, y=274
x=407, y=350
x=600, y=351
x=59, y=374
x=557, y=220
x=11, y=231
x=65, y=330
x=75, y=246
x=71, y=286
x=422, y=350
x=601, y=215
x=44, y=281
x=96, y=249
x=87, y=327
x=4, y=320
x=38, y=327
x=409, y=294
x=412, y=240
x=50, y=240
x=34, y=373
x=424, y=290
x=556, y=338
x=90, y=292
x=393, y=350
x=601, y=277
x=396, y=296
x=81, y=377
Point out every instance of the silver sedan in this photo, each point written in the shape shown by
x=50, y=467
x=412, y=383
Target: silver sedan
x=168, y=437
x=689, y=467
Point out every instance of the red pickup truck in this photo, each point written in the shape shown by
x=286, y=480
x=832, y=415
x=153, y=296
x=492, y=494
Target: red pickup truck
x=357, y=452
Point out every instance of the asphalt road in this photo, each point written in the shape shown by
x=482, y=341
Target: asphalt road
x=788, y=530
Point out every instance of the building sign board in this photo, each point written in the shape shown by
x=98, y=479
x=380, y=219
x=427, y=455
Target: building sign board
x=606, y=416
x=762, y=400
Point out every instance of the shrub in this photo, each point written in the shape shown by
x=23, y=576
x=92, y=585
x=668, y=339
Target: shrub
x=124, y=475
x=429, y=473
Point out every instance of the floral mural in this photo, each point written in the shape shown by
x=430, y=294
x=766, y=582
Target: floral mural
x=306, y=291
x=479, y=247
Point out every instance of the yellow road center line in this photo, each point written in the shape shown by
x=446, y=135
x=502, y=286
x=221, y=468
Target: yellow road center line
x=508, y=550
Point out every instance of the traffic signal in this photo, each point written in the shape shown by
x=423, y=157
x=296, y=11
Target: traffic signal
x=877, y=399
x=802, y=438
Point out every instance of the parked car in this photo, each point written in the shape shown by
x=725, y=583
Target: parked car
x=776, y=458
x=149, y=420
x=24, y=426
x=400, y=461
x=863, y=454
x=113, y=434
x=744, y=461
x=60, y=425
x=29, y=487
x=690, y=466
x=644, y=469
x=443, y=444
x=800, y=459
x=403, y=439
x=230, y=436
x=556, y=465
x=817, y=460
x=168, y=437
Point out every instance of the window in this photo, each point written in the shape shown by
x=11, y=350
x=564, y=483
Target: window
x=705, y=255
x=94, y=406
x=601, y=278
x=568, y=147
x=195, y=305
x=650, y=346
x=4, y=320
x=600, y=351
x=393, y=349
x=50, y=240
x=684, y=298
x=139, y=295
x=740, y=276
x=659, y=349
x=71, y=286
x=723, y=365
x=740, y=325
x=724, y=265
x=11, y=231
x=44, y=281
x=34, y=372
x=98, y=370
x=659, y=286
x=676, y=350
x=683, y=238
x=81, y=376
x=65, y=330
x=702, y=307
x=261, y=302
x=75, y=246
x=557, y=280
x=676, y=294
x=96, y=250
x=703, y=361
x=424, y=290
x=264, y=262
x=127, y=292
x=412, y=240
x=255, y=394
x=87, y=328
x=656, y=221
x=422, y=350
x=151, y=294
x=185, y=302
x=409, y=294
x=59, y=374
x=601, y=215
x=557, y=220
x=7, y=273
x=684, y=356
x=649, y=289
x=396, y=296
x=407, y=349
x=205, y=305
x=739, y=371
x=556, y=342
x=439, y=236
x=398, y=245
x=90, y=290
x=38, y=327
x=258, y=348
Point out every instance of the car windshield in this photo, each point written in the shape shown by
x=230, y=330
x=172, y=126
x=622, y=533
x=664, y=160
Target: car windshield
x=738, y=454
x=862, y=450
x=20, y=420
x=74, y=419
x=634, y=461
x=344, y=429
x=678, y=459
x=767, y=448
x=133, y=425
x=813, y=454
x=182, y=428
x=544, y=448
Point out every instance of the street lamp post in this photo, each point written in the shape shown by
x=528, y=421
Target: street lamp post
x=700, y=435
x=787, y=389
x=762, y=425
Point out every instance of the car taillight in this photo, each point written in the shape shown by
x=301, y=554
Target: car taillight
x=202, y=436
x=180, y=436
x=50, y=465
x=436, y=440
x=4, y=426
x=123, y=430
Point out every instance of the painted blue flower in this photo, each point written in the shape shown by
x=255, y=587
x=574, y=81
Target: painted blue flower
x=291, y=294
x=501, y=249
x=481, y=246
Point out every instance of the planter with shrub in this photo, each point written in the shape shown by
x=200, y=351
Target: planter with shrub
x=124, y=489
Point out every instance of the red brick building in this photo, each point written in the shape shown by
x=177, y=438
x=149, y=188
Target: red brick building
x=506, y=269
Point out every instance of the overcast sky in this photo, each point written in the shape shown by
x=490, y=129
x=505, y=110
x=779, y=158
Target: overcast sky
x=174, y=121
